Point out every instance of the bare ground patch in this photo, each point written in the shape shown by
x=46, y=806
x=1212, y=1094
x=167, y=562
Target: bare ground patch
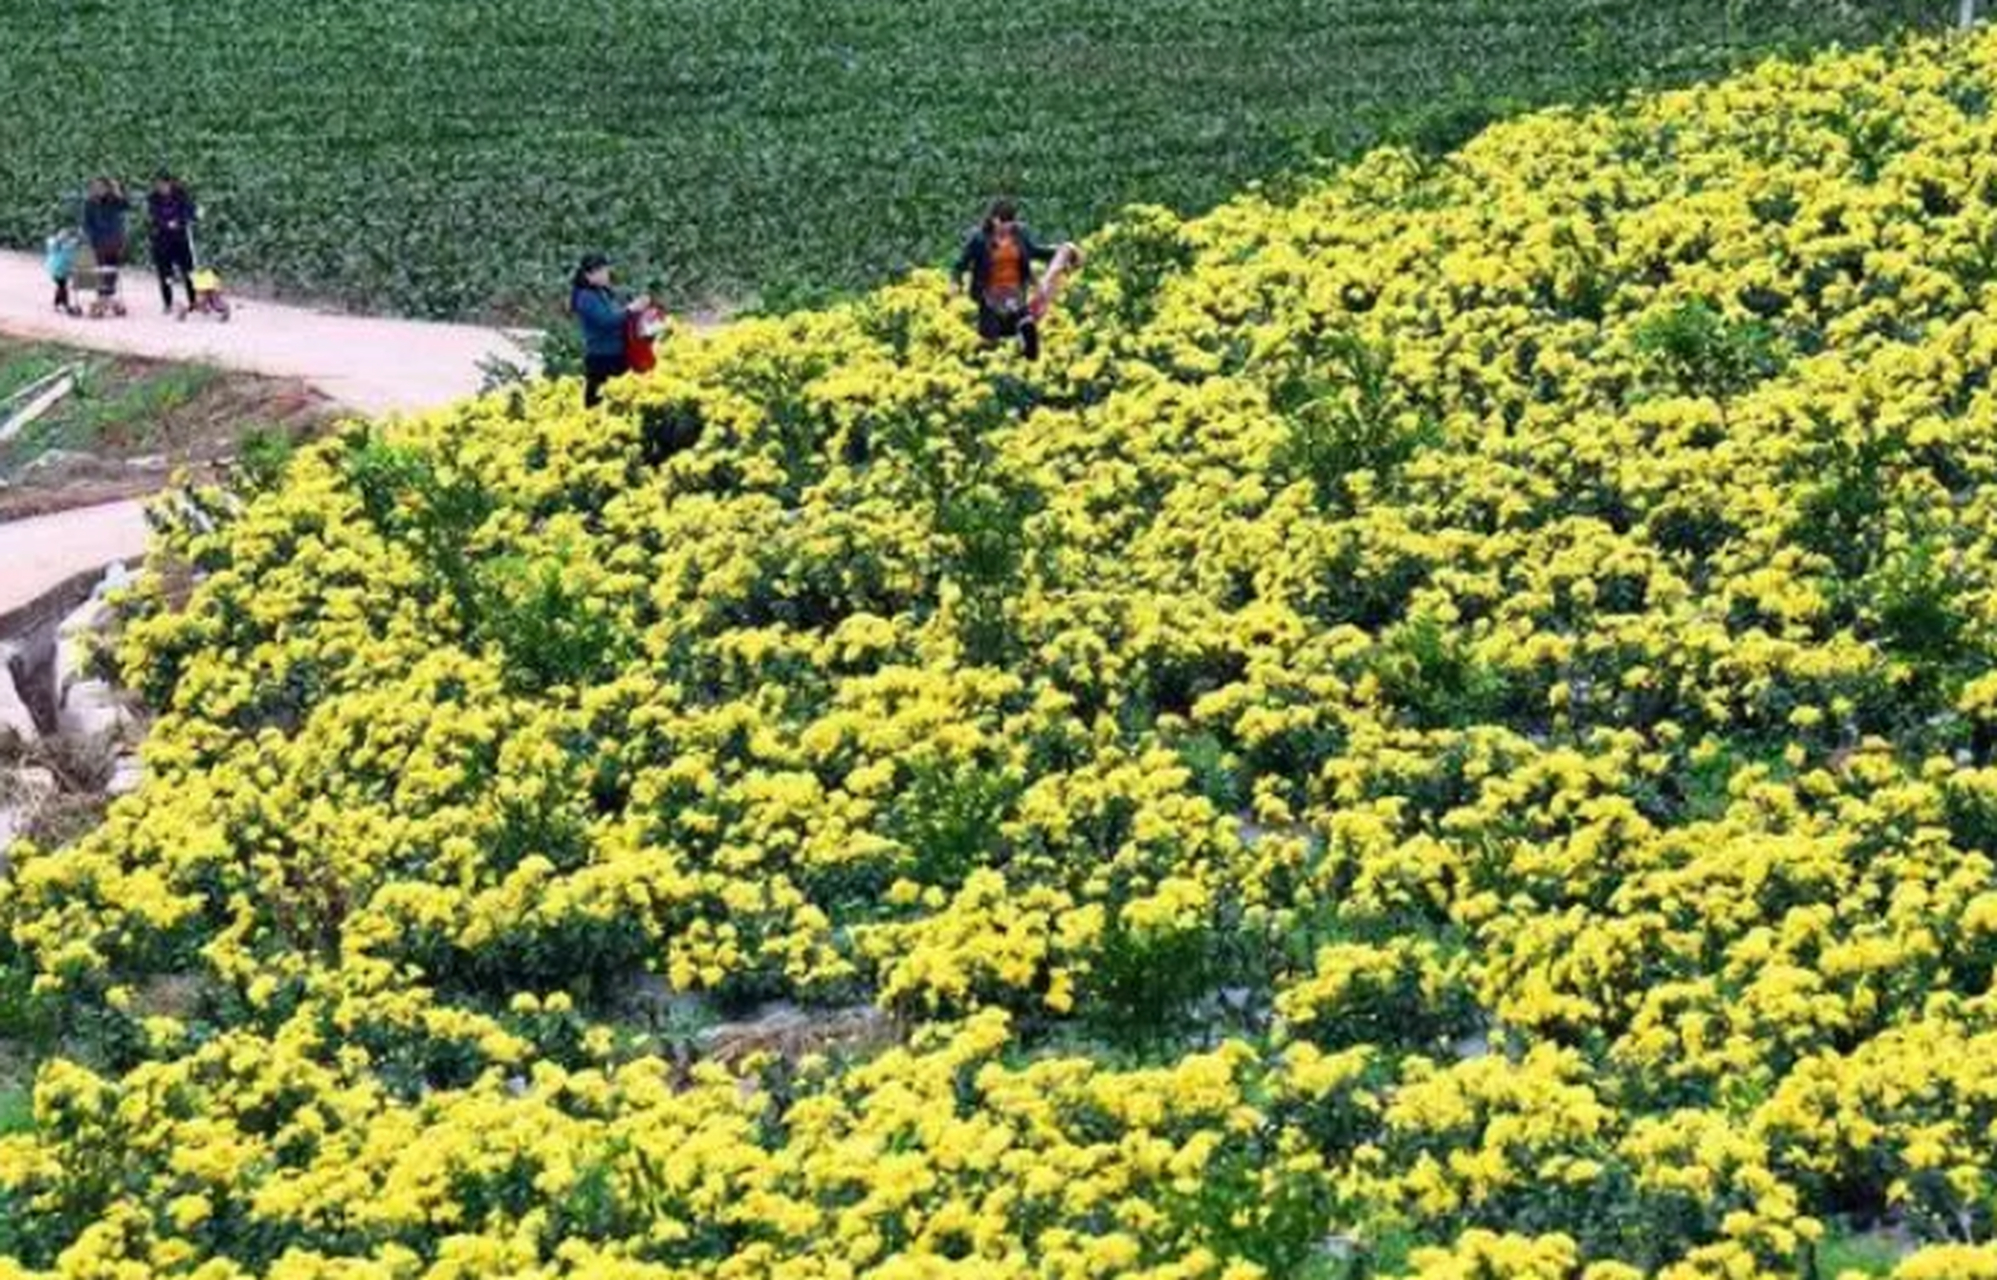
x=130, y=423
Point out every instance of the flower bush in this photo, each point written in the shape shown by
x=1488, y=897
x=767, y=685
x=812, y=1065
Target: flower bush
x=1446, y=730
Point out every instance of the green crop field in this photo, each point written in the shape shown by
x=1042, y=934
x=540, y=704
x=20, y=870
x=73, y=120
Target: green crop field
x=450, y=158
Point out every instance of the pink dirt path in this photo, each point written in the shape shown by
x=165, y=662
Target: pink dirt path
x=42, y=552
x=369, y=364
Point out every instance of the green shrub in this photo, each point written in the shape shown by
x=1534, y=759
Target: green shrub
x=1128, y=265
x=983, y=545
x=408, y=495
x=1841, y=515
x=1252, y=1202
x=947, y=817
x=1912, y=603
x=1428, y=671
x=1695, y=350
x=263, y=455
x=667, y=429
x=1217, y=772
x=551, y=632
x=1144, y=982
x=1345, y=415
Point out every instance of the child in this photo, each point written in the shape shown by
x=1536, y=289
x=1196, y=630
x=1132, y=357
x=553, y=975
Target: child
x=62, y=248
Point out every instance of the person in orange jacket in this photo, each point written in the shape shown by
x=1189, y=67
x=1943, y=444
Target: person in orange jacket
x=998, y=263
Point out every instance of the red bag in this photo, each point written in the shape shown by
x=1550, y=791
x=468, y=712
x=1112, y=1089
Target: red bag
x=638, y=337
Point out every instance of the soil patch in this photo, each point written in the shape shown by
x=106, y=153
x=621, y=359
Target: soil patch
x=130, y=423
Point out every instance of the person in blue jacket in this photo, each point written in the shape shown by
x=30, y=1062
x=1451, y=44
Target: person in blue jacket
x=61, y=263
x=603, y=318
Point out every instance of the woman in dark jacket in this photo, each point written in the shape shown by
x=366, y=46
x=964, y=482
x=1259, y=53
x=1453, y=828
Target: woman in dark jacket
x=603, y=319
x=172, y=212
x=999, y=263
x=104, y=211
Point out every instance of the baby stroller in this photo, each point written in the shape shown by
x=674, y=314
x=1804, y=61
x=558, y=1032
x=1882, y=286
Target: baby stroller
x=105, y=270
x=204, y=288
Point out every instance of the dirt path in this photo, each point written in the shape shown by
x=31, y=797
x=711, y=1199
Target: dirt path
x=373, y=365
x=367, y=363
x=40, y=553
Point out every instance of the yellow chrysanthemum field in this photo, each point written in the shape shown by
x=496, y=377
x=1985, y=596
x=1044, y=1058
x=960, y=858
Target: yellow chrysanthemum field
x=1447, y=730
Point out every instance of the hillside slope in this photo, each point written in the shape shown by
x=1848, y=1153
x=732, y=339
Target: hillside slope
x=1447, y=730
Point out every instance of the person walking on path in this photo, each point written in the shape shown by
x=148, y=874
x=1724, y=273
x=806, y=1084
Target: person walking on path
x=104, y=211
x=171, y=211
x=604, y=320
x=61, y=263
x=998, y=261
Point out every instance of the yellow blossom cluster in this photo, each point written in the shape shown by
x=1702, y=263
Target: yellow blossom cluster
x=1446, y=730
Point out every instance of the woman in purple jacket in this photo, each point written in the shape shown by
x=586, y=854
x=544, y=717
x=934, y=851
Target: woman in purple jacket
x=172, y=213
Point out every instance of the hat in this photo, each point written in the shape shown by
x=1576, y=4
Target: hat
x=591, y=261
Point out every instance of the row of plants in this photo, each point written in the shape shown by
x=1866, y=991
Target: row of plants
x=445, y=160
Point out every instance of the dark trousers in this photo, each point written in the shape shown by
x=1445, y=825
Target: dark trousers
x=62, y=294
x=173, y=255
x=110, y=257
x=996, y=323
x=597, y=370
